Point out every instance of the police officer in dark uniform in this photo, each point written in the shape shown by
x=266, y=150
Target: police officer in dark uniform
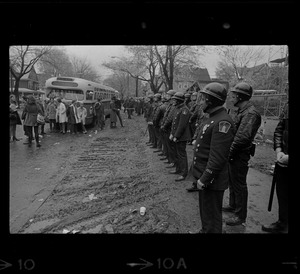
x=187, y=100
x=180, y=134
x=247, y=121
x=166, y=129
x=148, y=117
x=210, y=161
x=158, y=113
x=281, y=135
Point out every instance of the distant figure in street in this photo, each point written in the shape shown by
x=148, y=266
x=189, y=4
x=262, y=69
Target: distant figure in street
x=99, y=114
x=118, y=107
x=14, y=120
x=41, y=105
x=130, y=107
x=29, y=114
x=50, y=113
x=113, y=114
x=82, y=112
x=61, y=116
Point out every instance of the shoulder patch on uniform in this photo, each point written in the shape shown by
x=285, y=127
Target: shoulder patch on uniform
x=224, y=126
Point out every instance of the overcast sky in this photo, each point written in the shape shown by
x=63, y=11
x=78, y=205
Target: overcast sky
x=99, y=54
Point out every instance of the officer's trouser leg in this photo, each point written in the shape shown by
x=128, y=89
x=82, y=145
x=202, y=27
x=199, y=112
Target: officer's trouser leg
x=210, y=205
x=282, y=194
x=157, y=135
x=153, y=135
x=150, y=134
x=171, y=149
x=182, y=158
x=238, y=170
x=164, y=145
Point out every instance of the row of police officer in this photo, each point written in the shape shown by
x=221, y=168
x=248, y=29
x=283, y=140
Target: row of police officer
x=222, y=147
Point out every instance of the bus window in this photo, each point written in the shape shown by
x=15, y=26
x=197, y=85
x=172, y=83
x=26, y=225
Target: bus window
x=89, y=95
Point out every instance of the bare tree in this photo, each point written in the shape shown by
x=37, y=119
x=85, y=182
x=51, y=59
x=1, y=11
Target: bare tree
x=21, y=61
x=83, y=69
x=171, y=58
x=118, y=81
x=239, y=58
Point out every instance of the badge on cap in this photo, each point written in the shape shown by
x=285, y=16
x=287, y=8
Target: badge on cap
x=224, y=126
x=185, y=111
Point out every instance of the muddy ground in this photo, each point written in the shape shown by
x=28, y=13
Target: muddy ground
x=97, y=182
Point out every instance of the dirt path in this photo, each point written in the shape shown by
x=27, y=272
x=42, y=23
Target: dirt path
x=123, y=174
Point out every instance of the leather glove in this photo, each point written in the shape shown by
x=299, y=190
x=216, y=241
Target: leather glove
x=200, y=185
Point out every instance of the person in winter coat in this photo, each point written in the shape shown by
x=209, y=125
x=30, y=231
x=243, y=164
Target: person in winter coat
x=113, y=114
x=73, y=117
x=14, y=120
x=82, y=112
x=30, y=113
x=99, y=114
x=50, y=113
x=61, y=116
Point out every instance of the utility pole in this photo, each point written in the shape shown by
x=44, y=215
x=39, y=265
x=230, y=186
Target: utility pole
x=136, y=86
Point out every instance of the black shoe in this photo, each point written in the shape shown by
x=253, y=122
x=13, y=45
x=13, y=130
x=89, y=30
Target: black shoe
x=38, y=144
x=277, y=227
x=180, y=178
x=164, y=158
x=193, y=188
x=235, y=221
x=15, y=139
x=174, y=172
x=161, y=154
x=154, y=151
x=153, y=147
x=170, y=165
x=228, y=209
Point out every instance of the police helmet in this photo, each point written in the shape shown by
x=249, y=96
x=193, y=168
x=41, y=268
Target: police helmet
x=178, y=96
x=187, y=95
x=216, y=90
x=243, y=88
x=171, y=92
x=195, y=93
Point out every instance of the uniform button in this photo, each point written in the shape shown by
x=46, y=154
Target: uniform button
x=195, y=158
x=194, y=162
x=196, y=149
x=198, y=145
x=201, y=137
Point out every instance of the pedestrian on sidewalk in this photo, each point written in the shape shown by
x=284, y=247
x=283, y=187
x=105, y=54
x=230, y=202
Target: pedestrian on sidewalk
x=61, y=116
x=247, y=120
x=210, y=157
x=30, y=112
x=281, y=135
x=82, y=112
x=113, y=115
x=50, y=114
x=73, y=118
x=14, y=120
x=118, y=107
x=98, y=111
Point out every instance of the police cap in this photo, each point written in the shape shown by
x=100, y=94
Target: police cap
x=187, y=95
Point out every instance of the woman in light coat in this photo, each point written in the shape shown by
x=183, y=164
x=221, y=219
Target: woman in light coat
x=82, y=113
x=61, y=116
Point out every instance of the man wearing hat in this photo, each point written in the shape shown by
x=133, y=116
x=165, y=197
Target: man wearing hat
x=157, y=115
x=180, y=134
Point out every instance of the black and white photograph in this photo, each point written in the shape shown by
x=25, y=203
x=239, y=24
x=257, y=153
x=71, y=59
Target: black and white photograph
x=147, y=139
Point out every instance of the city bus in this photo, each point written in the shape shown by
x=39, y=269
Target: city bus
x=87, y=92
